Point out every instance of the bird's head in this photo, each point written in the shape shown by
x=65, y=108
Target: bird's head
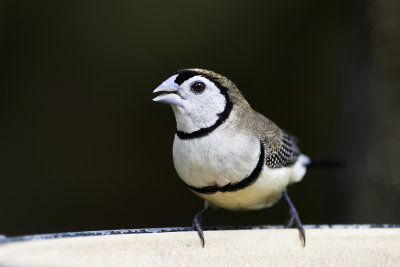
x=199, y=98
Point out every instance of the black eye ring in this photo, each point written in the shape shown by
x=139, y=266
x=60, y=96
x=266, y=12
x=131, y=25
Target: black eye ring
x=198, y=87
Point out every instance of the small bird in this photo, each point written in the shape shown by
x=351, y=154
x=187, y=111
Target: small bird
x=226, y=152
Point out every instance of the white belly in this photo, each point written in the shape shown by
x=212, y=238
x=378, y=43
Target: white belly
x=265, y=192
x=219, y=159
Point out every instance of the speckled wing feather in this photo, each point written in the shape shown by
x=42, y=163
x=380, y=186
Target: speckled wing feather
x=281, y=148
x=284, y=155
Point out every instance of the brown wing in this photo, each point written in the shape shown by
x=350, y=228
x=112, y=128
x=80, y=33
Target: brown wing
x=284, y=154
x=280, y=147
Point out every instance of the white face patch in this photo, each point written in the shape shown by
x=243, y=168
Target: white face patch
x=199, y=110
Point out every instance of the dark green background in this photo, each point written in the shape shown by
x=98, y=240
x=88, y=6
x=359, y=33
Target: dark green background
x=83, y=147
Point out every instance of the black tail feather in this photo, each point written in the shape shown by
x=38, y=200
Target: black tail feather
x=326, y=164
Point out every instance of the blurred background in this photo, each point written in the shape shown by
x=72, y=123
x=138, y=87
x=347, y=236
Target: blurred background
x=83, y=147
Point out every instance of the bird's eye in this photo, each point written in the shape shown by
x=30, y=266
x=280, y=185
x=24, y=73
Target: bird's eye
x=198, y=87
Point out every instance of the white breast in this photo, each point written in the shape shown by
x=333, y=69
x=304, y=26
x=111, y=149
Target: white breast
x=227, y=157
x=216, y=159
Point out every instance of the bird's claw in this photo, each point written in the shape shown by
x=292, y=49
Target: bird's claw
x=197, y=221
x=196, y=226
x=294, y=220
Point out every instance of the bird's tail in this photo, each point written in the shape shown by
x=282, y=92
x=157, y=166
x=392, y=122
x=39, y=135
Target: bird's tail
x=320, y=163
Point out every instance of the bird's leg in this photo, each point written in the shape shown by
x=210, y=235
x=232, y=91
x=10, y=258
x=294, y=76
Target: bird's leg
x=197, y=222
x=294, y=220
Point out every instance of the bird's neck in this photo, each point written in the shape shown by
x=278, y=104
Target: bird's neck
x=188, y=122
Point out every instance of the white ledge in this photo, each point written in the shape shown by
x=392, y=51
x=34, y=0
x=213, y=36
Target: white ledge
x=253, y=247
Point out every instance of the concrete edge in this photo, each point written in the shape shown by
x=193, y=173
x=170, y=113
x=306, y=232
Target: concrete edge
x=4, y=239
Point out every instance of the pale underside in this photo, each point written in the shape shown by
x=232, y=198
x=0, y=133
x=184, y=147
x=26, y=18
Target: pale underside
x=226, y=156
x=265, y=192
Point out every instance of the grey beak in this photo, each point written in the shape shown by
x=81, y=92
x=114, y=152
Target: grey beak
x=169, y=97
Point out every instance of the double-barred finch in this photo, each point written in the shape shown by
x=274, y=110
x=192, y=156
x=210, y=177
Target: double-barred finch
x=226, y=152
